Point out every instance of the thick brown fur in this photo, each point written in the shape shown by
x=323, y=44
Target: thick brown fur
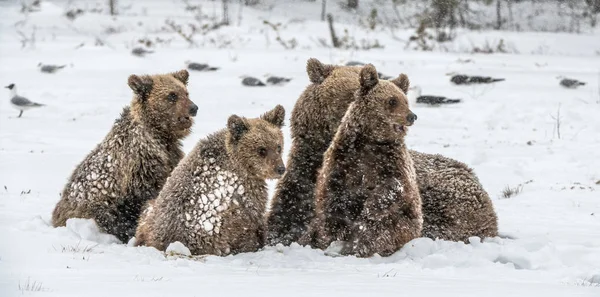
x=314, y=120
x=215, y=200
x=131, y=164
x=455, y=205
x=367, y=195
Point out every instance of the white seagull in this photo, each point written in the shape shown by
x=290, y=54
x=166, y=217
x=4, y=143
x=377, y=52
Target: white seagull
x=20, y=103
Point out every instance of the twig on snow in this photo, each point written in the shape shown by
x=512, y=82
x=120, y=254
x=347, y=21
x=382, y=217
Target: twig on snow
x=557, y=121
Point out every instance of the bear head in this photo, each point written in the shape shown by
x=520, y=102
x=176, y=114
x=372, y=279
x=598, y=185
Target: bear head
x=163, y=102
x=327, y=97
x=257, y=144
x=382, y=106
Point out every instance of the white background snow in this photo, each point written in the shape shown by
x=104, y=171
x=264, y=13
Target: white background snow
x=505, y=131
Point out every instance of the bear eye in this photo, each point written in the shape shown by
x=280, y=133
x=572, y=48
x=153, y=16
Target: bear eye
x=393, y=102
x=279, y=149
x=172, y=97
x=262, y=151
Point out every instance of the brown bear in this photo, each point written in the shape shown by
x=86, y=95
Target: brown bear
x=314, y=120
x=313, y=123
x=367, y=194
x=215, y=200
x=131, y=164
x=455, y=205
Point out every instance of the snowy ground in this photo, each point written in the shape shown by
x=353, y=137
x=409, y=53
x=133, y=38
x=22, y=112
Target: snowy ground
x=506, y=132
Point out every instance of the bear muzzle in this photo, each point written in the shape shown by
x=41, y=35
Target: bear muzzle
x=280, y=170
x=411, y=118
x=193, y=109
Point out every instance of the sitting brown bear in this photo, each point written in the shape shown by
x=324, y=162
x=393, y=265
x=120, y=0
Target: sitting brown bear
x=215, y=200
x=131, y=164
x=367, y=194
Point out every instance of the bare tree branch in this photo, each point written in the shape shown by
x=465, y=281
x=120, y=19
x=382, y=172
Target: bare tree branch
x=177, y=29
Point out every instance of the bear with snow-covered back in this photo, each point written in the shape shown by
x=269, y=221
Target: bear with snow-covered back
x=131, y=164
x=215, y=200
x=367, y=195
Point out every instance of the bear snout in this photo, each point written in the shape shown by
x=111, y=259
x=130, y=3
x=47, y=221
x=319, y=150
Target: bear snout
x=280, y=170
x=411, y=117
x=193, y=109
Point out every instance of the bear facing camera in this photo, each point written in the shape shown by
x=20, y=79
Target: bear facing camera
x=215, y=200
x=367, y=196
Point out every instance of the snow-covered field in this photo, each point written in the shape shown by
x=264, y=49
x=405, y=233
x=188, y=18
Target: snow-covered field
x=506, y=131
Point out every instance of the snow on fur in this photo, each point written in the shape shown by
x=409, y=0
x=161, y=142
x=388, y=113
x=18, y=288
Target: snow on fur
x=506, y=133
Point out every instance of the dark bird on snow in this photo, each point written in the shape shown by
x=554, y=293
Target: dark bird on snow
x=383, y=76
x=414, y=96
x=200, y=66
x=356, y=63
x=277, y=80
x=20, y=103
x=570, y=83
x=461, y=79
x=250, y=81
x=50, y=68
x=140, y=51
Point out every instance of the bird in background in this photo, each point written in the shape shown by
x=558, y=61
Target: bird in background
x=140, y=51
x=277, y=80
x=570, y=83
x=200, y=66
x=462, y=79
x=20, y=103
x=250, y=81
x=354, y=63
x=414, y=96
x=379, y=74
x=50, y=68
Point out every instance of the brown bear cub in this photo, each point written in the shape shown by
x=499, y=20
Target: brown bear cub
x=367, y=195
x=314, y=122
x=131, y=164
x=455, y=205
x=215, y=200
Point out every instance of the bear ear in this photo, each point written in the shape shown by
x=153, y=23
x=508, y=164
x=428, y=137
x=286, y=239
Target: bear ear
x=182, y=76
x=275, y=116
x=141, y=85
x=317, y=71
x=237, y=126
x=402, y=82
x=368, y=78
